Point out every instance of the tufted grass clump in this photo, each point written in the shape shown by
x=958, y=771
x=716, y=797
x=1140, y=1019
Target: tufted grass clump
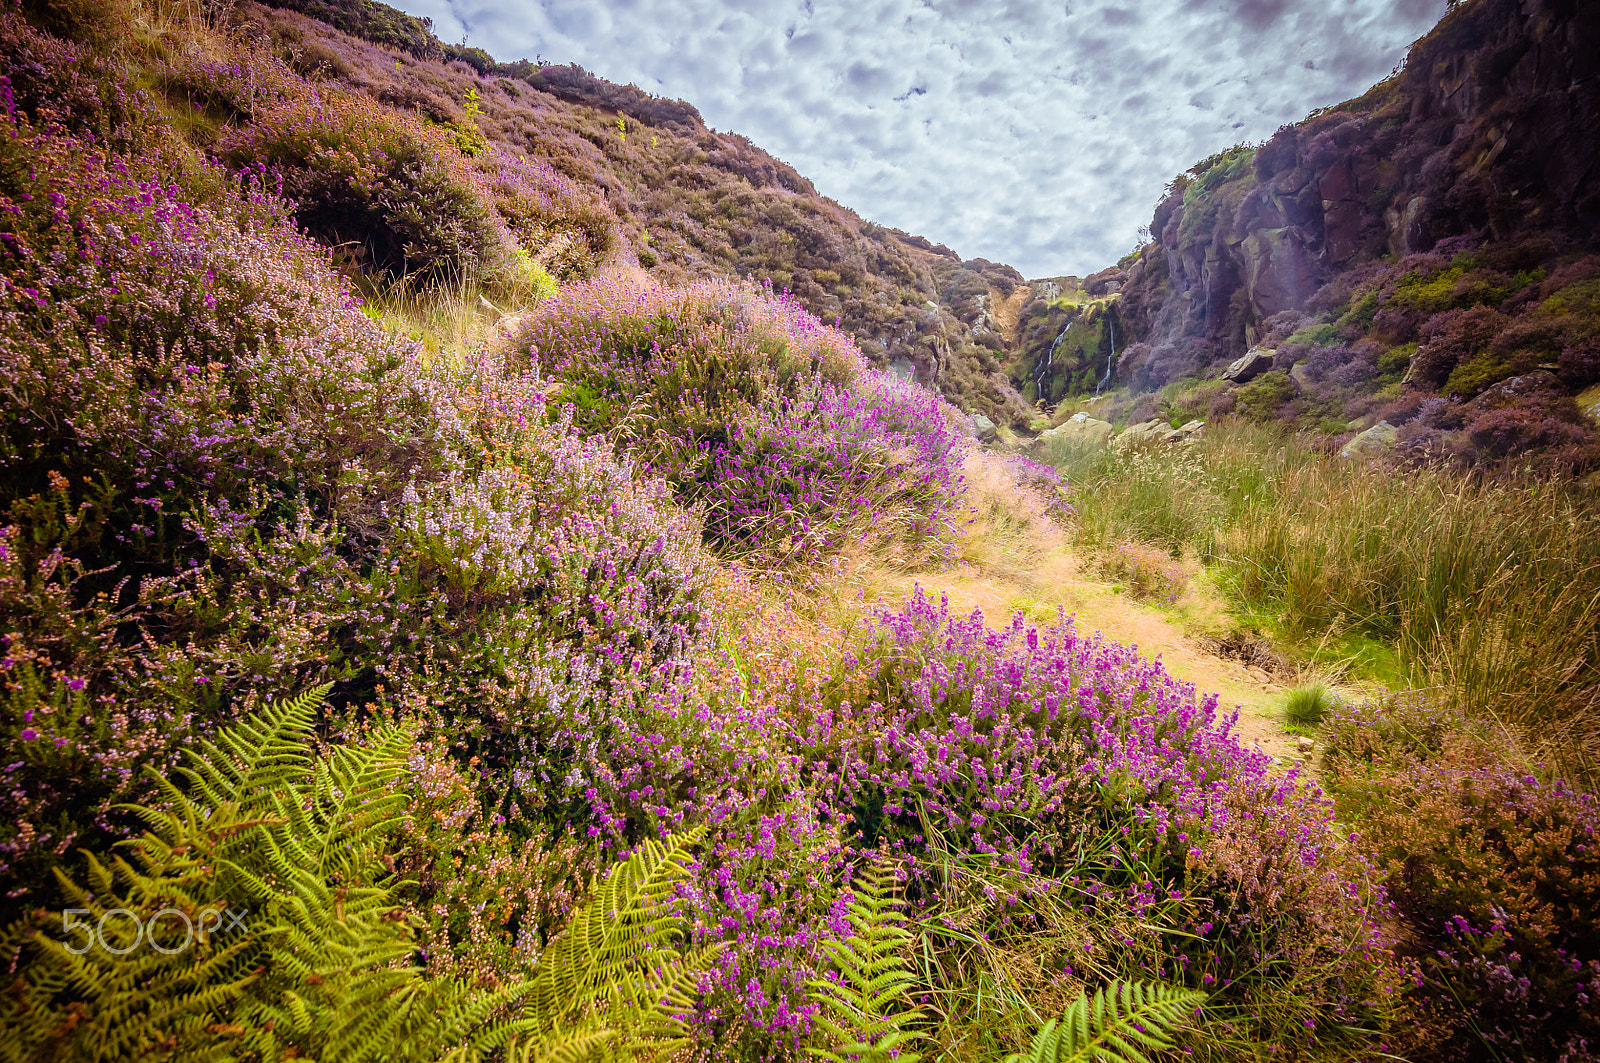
x=1307, y=705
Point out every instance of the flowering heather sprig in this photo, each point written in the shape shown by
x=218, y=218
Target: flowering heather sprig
x=830, y=466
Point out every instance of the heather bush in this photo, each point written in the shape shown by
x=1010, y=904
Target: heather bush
x=1542, y=422
x=746, y=403
x=566, y=231
x=400, y=192
x=1049, y=779
x=58, y=82
x=183, y=353
x=170, y=372
x=1076, y=765
x=238, y=88
x=1494, y=870
x=221, y=476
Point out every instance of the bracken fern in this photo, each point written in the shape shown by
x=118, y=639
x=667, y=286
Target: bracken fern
x=322, y=966
x=1121, y=1023
x=864, y=1014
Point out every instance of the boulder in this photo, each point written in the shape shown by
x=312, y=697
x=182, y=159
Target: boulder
x=1251, y=364
x=983, y=429
x=1300, y=375
x=1186, y=433
x=1589, y=402
x=1080, y=428
x=1153, y=431
x=1376, y=441
x=509, y=325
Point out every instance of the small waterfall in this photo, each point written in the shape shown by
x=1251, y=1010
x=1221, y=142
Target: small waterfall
x=1050, y=358
x=1112, y=321
x=1040, y=371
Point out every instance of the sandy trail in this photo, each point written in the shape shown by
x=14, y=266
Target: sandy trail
x=1154, y=631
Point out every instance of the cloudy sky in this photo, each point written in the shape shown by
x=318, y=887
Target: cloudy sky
x=1034, y=132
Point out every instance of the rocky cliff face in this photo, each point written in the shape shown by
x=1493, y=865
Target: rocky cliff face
x=1487, y=137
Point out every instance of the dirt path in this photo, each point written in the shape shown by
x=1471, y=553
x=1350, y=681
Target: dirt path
x=1155, y=631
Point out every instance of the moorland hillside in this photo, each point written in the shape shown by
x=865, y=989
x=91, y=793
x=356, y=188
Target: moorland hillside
x=473, y=554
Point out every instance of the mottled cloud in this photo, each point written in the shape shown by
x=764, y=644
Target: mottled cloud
x=1035, y=133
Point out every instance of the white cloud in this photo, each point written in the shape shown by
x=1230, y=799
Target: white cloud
x=1035, y=133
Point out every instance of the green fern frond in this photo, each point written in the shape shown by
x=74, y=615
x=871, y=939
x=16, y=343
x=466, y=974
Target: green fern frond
x=585, y=1044
x=256, y=754
x=865, y=1013
x=324, y=967
x=623, y=920
x=1119, y=1024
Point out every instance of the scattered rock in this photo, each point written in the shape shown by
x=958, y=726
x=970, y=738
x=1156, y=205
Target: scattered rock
x=983, y=429
x=1305, y=746
x=1374, y=442
x=509, y=325
x=1300, y=375
x=1187, y=433
x=1540, y=381
x=1157, y=431
x=1251, y=364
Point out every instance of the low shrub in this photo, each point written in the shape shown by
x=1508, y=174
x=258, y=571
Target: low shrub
x=1494, y=870
x=562, y=228
x=880, y=461
x=222, y=481
x=1507, y=423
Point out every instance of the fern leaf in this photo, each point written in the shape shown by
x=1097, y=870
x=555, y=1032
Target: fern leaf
x=1119, y=1024
x=623, y=920
x=258, y=753
x=864, y=1014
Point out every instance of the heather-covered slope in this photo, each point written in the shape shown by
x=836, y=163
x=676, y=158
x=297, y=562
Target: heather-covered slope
x=1408, y=250
x=687, y=202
